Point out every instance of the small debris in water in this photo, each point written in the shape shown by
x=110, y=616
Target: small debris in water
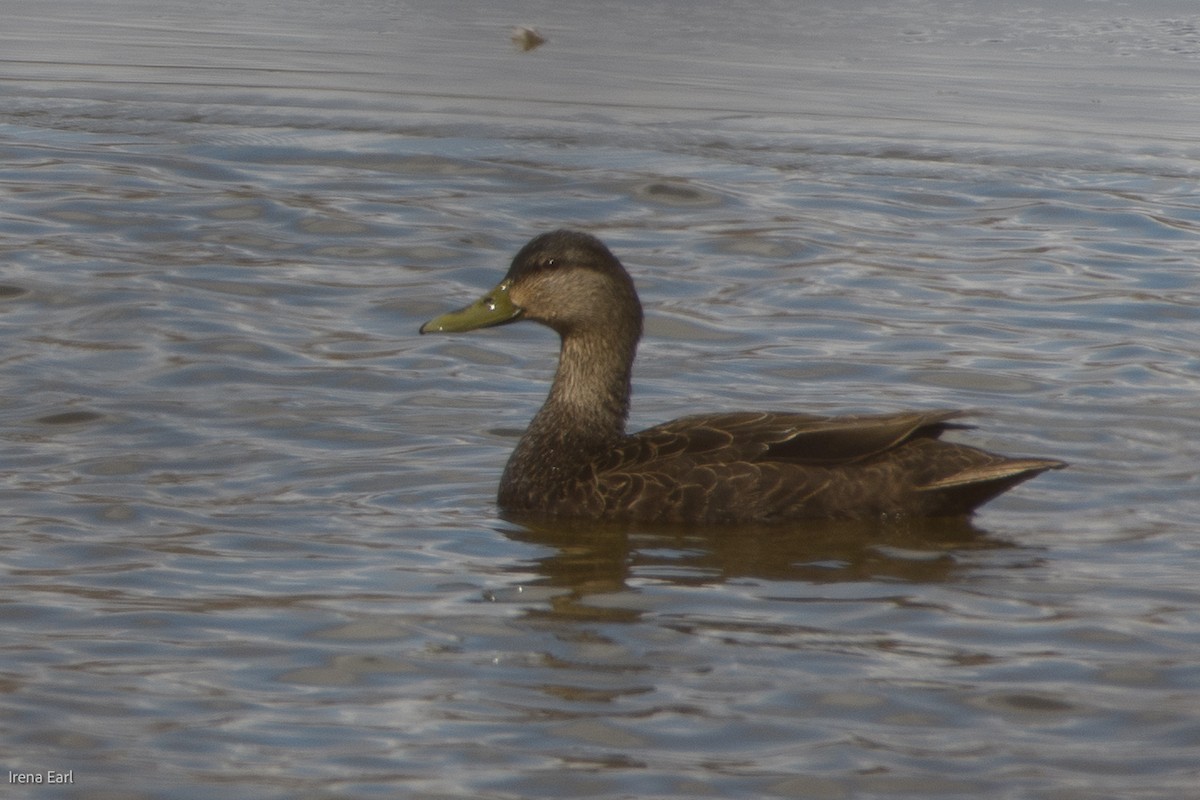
x=527, y=38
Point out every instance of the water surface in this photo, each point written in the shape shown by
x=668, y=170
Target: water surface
x=250, y=545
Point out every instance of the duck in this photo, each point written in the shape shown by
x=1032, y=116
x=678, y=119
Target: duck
x=576, y=460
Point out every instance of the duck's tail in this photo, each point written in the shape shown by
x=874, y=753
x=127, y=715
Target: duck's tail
x=966, y=490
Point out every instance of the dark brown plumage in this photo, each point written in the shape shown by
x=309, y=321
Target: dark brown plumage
x=576, y=460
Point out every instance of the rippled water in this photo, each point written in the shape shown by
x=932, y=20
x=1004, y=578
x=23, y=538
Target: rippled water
x=250, y=547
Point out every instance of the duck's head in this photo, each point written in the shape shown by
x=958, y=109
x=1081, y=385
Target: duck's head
x=566, y=280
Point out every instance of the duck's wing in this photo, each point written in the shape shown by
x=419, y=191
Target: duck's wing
x=766, y=465
x=766, y=437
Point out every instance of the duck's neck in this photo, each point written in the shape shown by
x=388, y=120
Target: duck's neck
x=589, y=400
x=583, y=417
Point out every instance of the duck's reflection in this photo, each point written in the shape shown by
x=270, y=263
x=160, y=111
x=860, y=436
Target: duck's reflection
x=587, y=559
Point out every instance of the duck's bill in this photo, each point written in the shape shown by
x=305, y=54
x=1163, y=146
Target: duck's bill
x=494, y=308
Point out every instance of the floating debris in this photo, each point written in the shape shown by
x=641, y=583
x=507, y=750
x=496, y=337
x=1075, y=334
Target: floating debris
x=527, y=38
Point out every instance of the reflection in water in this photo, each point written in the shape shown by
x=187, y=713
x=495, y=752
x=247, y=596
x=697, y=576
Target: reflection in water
x=593, y=558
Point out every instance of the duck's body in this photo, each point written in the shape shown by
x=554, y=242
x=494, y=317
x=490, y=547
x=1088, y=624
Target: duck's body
x=761, y=467
x=576, y=460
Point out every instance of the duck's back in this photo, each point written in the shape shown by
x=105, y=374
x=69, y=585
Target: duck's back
x=762, y=467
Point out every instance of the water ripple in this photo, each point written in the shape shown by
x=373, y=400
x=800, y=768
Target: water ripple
x=250, y=514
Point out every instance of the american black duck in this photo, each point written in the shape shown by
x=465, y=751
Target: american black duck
x=576, y=460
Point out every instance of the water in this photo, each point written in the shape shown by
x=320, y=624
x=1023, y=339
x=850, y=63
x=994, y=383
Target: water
x=250, y=547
